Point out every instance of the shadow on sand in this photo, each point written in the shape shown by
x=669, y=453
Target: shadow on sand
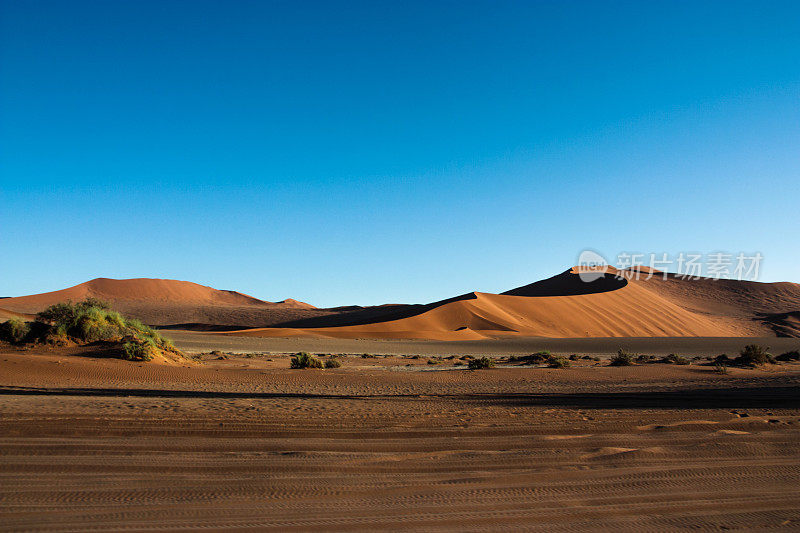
x=731, y=397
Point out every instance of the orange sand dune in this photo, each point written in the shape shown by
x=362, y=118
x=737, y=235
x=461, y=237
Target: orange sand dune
x=166, y=301
x=565, y=306
x=628, y=312
x=141, y=289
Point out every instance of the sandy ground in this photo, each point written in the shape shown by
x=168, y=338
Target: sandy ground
x=386, y=443
x=603, y=346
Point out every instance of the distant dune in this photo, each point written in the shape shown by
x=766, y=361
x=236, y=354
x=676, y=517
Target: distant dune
x=166, y=301
x=617, y=304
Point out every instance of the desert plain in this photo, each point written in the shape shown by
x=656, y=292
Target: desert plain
x=403, y=435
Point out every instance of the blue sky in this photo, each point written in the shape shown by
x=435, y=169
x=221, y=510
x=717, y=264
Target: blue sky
x=371, y=152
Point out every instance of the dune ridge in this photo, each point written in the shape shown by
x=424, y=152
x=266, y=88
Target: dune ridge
x=166, y=301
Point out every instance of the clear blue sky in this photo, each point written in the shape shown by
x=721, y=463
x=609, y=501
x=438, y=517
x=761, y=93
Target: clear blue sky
x=371, y=152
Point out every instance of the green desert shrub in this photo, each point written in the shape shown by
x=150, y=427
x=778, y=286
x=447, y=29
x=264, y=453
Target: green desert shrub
x=720, y=368
x=93, y=320
x=622, y=358
x=332, y=363
x=481, y=362
x=58, y=314
x=14, y=330
x=558, y=361
x=305, y=360
x=139, y=350
x=753, y=355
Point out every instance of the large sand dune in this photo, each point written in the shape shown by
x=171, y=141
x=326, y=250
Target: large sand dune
x=618, y=304
x=166, y=301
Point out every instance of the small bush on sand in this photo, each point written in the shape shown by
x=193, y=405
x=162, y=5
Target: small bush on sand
x=720, y=369
x=332, y=363
x=14, y=330
x=643, y=358
x=622, y=358
x=789, y=356
x=305, y=360
x=674, y=359
x=481, y=362
x=753, y=355
x=573, y=357
x=92, y=320
x=536, y=358
x=558, y=362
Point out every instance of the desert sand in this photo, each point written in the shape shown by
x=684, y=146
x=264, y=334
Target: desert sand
x=393, y=443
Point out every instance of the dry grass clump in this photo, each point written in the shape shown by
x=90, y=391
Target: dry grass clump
x=332, y=363
x=753, y=355
x=481, y=363
x=558, y=361
x=305, y=360
x=622, y=358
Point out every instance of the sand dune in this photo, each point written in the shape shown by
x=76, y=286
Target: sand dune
x=139, y=290
x=632, y=303
x=166, y=301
